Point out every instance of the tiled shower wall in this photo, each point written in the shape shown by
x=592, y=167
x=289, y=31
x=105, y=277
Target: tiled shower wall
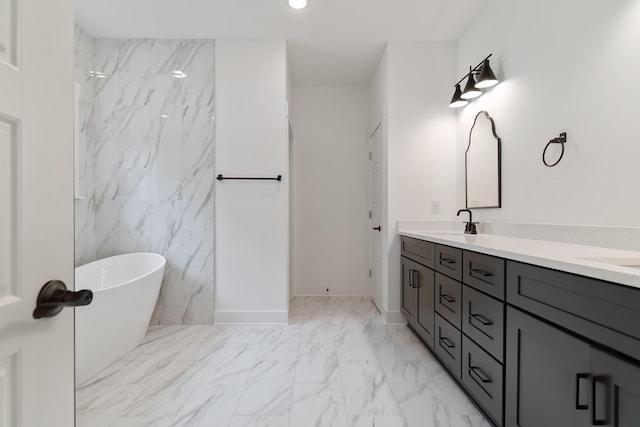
x=150, y=145
x=85, y=212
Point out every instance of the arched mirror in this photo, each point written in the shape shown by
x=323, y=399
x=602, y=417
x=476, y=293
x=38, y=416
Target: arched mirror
x=482, y=164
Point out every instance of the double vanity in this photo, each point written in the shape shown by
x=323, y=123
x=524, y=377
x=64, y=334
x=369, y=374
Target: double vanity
x=538, y=334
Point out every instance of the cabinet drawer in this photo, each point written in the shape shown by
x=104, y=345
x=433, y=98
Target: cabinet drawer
x=448, y=299
x=448, y=261
x=482, y=377
x=448, y=345
x=484, y=272
x=604, y=312
x=483, y=321
x=419, y=250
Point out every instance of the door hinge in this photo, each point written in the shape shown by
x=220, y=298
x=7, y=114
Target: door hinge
x=370, y=273
x=370, y=214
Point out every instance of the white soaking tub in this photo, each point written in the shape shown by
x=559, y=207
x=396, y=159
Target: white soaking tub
x=125, y=289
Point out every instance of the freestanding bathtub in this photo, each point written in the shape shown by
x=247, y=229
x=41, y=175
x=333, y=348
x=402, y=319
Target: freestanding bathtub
x=125, y=289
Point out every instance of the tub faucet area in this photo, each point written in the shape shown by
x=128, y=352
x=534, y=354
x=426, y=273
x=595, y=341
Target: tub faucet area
x=470, y=227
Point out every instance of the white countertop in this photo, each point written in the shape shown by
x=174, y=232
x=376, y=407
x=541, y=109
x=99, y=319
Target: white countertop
x=591, y=261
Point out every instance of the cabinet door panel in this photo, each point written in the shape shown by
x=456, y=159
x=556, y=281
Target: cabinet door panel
x=449, y=261
x=543, y=385
x=419, y=250
x=424, y=283
x=483, y=321
x=408, y=291
x=482, y=377
x=616, y=392
x=448, y=302
x=448, y=345
x=484, y=272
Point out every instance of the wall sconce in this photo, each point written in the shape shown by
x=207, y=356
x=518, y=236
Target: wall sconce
x=486, y=79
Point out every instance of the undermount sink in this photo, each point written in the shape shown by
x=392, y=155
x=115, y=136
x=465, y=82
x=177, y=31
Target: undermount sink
x=632, y=262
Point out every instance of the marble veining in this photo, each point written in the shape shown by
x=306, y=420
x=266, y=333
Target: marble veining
x=279, y=376
x=147, y=163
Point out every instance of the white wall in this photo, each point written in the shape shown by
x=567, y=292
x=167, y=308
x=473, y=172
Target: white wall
x=251, y=256
x=421, y=142
x=566, y=66
x=331, y=190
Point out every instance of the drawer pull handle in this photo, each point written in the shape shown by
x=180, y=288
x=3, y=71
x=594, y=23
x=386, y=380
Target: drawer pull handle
x=580, y=377
x=484, y=378
x=484, y=273
x=447, y=342
x=594, y=418
x=447, y=298
x=415, y=275
x=480, y=318
x=448, y=261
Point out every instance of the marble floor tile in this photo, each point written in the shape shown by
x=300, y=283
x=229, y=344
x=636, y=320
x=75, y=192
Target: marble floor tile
x=231, y=364
x=142, y=422
x=260, y=421
x=209, y=405
x=400, y=365
x=336, y=364
x=318, y=405
x=317, y=331
x=377, y=421
x=268, y=371
x=265, y=399
x=427, y=405
x=281, y=345
x=98, y=405
x=317, y=363
x=164, y=395
x=366, y=390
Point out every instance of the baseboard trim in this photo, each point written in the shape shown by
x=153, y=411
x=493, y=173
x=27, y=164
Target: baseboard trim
x=394, y=318
x=251, y=318
x=316, y=291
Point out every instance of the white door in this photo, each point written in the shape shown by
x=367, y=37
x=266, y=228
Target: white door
x=376, y=228
x=36, y=210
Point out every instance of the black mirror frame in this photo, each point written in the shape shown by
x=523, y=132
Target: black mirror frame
x=466, y=154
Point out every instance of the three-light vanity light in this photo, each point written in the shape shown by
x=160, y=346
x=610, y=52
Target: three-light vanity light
x=473, y=87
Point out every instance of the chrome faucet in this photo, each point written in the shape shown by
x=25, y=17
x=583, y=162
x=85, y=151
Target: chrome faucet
x=470, y=227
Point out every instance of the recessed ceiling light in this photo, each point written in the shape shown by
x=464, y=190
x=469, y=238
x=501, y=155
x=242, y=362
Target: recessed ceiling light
x=178, y=74
x=298, y=4
x=164, y=116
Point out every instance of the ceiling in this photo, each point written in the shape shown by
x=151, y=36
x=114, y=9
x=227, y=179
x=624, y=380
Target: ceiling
x=332, y=42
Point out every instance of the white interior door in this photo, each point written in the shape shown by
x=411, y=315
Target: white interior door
x=36, y=210
x=375, y=217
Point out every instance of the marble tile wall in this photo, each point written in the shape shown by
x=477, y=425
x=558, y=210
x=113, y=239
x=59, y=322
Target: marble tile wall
x=85, y=247
x=152, y=152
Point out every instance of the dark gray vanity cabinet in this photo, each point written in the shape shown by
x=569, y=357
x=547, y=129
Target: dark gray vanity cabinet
x=531, y=346
x=418, y=287
x=547, y=375
x=616, y=391
x=464, y=301
x=409, y=293
x=554, y=378
x=572, y=355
